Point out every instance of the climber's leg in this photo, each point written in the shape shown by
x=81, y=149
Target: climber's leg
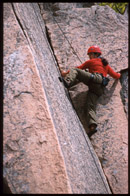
x=95, y=91
x=91, y=103
x=77, y=74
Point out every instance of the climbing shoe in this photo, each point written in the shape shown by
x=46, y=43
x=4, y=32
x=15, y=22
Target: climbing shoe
x=92, y=130
x=65, y=82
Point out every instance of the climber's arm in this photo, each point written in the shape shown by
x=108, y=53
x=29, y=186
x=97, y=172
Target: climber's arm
x=113, y=74
x=85, y=65
x=82, y=66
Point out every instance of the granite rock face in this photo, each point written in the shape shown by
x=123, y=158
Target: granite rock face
x=72, y=28
x=45, y=147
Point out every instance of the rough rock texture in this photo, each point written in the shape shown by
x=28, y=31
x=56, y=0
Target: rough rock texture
x=82, y=27
x=46, y=149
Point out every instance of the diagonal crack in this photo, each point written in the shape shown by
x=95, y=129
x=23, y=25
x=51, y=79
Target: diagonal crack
x=23, y=92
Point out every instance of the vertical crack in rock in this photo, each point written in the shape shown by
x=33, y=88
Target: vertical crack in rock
x=49, y=40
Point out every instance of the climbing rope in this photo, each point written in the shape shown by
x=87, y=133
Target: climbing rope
x=64, y=35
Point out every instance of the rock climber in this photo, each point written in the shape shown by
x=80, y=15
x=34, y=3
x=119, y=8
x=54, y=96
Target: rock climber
x=94, y=78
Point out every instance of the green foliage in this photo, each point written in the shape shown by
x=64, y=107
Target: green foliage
x=118, y=7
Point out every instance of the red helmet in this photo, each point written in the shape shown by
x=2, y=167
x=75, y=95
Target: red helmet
x=94, y=49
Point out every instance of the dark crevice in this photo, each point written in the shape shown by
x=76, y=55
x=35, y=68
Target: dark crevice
x=49, y=41
x=124, y=90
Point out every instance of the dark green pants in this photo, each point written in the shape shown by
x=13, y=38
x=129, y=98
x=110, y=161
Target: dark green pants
x=95, y=91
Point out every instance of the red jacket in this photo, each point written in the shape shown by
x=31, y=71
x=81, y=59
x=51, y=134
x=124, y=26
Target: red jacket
x=95, y=65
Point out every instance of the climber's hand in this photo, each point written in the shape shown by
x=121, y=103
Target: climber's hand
x=119, y=72
x=64, y=73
